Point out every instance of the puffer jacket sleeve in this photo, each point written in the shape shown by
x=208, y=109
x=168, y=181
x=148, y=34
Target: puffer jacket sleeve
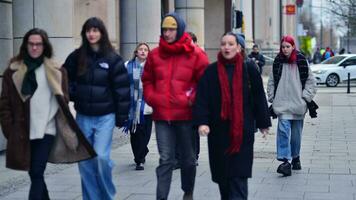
x=65, y=88
x=201, y=64
x=120, y=85
x=310, y=87
x=6, y=118
x=70, y=65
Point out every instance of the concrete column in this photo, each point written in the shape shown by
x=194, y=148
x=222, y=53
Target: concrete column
x=5, y=45
x=139, y=22
x=55, y=16
x=192, y=12
x=214, y=26
x=289, y=21
x=5, y=33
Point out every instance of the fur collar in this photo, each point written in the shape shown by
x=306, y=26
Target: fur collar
x=53, y=72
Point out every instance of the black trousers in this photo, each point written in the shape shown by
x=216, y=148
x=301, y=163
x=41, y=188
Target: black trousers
x=140, y=138
x=234, y=189
x=40, y=149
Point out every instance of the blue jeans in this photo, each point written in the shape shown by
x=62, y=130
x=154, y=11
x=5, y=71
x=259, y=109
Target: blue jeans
x=96, y=173
x=289, y=138
x=169, y=134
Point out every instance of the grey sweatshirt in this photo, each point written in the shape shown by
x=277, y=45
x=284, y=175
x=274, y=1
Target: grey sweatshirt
x=289, y=102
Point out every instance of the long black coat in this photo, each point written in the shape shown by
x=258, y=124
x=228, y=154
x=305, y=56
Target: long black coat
x=207, y=111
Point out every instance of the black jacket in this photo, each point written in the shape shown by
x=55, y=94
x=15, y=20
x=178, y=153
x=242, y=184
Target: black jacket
x=260, y=58
x=207, y=109
x=104, y=88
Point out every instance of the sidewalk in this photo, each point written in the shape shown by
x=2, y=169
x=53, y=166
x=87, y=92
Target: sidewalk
x=328, y=164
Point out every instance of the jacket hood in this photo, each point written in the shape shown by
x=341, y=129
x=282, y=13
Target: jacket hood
x=180, y=23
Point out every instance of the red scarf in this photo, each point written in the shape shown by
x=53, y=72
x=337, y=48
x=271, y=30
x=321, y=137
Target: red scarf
x=232, y=106
x=183, y=45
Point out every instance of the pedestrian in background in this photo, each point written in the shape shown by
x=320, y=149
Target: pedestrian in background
x=140, y=116
x=100, y=89
x=327, y=54
x=257, y=57
x=170, y=76
x=34, y=113
x=317, y=56
x=229, y=106
x=291, y=86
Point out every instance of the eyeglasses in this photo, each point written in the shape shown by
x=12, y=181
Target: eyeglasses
x=31, y=44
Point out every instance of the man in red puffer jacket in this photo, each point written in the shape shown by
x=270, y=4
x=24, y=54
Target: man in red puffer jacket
x=170, y=76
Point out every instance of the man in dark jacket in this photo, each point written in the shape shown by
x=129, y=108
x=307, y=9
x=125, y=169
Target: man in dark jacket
x=170, y=76
x=257, y=57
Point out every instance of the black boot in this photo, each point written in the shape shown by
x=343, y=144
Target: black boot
x=296, y=164
x=285, y=169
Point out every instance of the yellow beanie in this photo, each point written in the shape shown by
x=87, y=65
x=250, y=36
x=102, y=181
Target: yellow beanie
x=169, y=22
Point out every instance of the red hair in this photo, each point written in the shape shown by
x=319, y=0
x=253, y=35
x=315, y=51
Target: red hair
x=293, y=56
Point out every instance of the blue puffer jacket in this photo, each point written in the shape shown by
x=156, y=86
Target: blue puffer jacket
x=104, y=88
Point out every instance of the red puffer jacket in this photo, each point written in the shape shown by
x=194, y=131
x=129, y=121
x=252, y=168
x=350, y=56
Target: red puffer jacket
x=170, y=77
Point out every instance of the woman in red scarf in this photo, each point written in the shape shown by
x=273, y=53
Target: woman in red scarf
x=230, y=105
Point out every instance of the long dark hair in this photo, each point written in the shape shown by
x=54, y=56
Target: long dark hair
x=105, y=46
x=243, y=51
x=47, y=47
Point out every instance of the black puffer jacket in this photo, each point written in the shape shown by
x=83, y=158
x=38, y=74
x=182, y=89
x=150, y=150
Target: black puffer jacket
x=104, y=88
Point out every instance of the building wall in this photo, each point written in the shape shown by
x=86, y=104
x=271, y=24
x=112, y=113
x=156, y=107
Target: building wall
x=246, y=7
x=267, y=24
x=140, y=22
x=214, y=26
x=5, y=34
x=6, y=43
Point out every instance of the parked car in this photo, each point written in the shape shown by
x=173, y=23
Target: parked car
x=334, y=70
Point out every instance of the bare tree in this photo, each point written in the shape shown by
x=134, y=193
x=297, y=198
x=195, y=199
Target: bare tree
x=345, y=12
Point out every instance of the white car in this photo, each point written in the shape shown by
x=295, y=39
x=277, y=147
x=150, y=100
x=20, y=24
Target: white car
x=334, y=70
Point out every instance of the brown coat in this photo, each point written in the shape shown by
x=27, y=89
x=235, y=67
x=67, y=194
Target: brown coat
x=70, y=144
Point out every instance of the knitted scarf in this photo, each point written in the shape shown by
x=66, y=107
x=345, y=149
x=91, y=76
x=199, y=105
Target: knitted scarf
x=232, y=101
x=29, y=84
x=183, y=45
x=136, y=114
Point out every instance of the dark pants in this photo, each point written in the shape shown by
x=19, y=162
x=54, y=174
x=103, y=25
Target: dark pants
x=40, y=149
x=197, y=149
x=234, y=189
x=140, y=138
x=169, y=134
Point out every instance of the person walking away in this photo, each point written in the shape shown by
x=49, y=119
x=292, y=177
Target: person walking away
x=100, y=89
x=291, y=86
x=34, y=113
x=170, y=76
x=140, y=116
x=256, y=56
x=317, y=56
x=230, y=105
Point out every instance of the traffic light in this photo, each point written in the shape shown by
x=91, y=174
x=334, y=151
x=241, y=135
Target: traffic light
x=238, y=19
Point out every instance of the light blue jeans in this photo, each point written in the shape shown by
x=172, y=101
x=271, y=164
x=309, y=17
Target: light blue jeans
x=289, y=137
x=96, y=173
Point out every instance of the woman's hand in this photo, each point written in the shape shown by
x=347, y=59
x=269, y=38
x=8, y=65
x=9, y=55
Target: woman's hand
x=204, y=130
x=264, y=132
